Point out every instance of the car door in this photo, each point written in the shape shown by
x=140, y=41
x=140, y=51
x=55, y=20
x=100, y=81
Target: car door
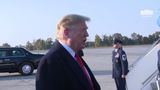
x=10, y=58
x=17, y=56
x=4, y=59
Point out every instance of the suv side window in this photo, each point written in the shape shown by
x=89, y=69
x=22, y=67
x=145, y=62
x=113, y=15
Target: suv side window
x=3, y=53
x=17, y=53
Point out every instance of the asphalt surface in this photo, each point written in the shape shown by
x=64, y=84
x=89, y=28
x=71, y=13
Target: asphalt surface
x=98, y=59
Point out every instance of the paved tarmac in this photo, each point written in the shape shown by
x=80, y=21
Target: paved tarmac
x=99, y=60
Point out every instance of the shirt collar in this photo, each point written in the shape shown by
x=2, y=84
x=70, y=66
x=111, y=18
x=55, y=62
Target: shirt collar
x=116, y=50
x=67, y=48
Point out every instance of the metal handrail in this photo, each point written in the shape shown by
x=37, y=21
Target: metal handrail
x=146, y=82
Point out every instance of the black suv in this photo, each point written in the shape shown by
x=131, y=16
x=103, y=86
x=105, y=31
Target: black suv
x=18, y=60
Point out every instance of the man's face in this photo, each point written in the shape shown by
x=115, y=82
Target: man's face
x=116, y=45
x=79, y=36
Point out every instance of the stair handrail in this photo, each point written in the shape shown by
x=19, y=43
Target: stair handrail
x=153, y=75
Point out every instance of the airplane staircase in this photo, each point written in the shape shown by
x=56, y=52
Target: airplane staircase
x=143, y=71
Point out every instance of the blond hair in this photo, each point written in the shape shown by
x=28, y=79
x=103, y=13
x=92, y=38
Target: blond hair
x=69, y=21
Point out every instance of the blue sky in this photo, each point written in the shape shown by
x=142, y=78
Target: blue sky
x=28, y=20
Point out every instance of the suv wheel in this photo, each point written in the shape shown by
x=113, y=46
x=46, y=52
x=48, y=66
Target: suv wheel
x=26, y=68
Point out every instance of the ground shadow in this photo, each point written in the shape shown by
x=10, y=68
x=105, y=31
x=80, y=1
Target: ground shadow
x=16, y=77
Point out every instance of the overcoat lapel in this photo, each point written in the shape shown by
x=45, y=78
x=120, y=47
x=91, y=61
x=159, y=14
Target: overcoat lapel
x=74, y=66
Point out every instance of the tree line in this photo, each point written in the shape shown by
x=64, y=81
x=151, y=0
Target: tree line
x=100, y=41
x=39, y=44
x=135, y=39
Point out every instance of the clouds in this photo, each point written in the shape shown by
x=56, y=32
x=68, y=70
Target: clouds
x=146, y=12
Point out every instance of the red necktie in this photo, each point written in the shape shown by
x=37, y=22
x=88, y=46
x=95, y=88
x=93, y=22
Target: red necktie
x=79, y=61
